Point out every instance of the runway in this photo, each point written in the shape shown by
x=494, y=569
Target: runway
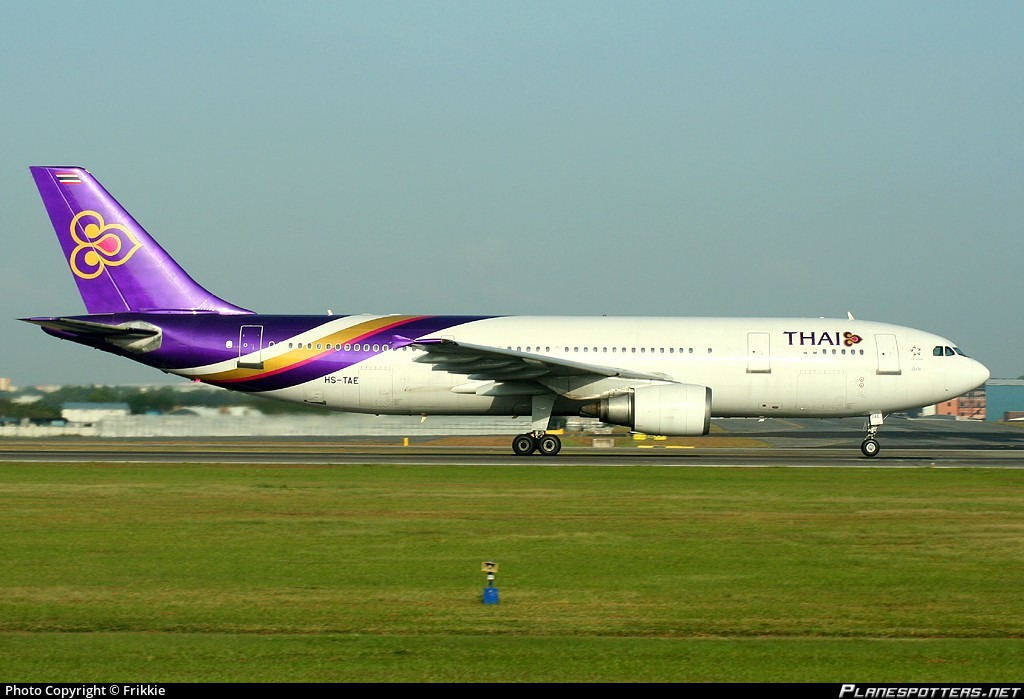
x=906, y=443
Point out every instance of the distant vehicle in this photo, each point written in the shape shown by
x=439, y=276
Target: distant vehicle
x=664, y=376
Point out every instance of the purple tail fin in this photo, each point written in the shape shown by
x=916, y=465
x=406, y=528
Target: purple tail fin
x=117, y=265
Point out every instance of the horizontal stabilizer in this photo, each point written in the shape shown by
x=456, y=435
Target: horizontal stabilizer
x=85, y=327
x=136, y=336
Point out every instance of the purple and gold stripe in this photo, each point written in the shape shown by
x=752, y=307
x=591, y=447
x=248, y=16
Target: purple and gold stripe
x=301, y=356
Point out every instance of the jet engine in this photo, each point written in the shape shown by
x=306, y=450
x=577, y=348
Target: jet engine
x=673, y=410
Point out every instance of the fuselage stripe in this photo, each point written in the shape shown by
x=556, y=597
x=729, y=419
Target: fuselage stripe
x=290, y=360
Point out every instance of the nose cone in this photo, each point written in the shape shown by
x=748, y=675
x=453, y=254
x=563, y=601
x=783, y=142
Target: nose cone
x=979, y=373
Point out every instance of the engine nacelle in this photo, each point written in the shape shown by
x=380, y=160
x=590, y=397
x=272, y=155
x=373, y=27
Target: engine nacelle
x=672, y=410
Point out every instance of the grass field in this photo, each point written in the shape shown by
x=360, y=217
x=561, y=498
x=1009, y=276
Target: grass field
x=372, y=573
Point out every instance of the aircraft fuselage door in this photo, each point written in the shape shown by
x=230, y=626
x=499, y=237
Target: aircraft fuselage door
x=250, y=347
x=888, y=354
x=376, y=390
x=758, y=353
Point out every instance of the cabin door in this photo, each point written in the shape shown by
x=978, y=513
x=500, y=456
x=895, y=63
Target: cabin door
x=250, y=347
x=888, y=354
x=758, y=353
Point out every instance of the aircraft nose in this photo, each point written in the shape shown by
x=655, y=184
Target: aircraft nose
x=979, y=373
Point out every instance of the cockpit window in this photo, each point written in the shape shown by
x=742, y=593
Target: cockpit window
x=949, y=352
x=937, y=352
x=958, y=351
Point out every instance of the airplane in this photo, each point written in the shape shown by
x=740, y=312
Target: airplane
x=660, y=376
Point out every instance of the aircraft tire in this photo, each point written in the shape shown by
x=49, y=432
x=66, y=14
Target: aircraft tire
x=524, y=445
x=870, y=448
x=549, y=445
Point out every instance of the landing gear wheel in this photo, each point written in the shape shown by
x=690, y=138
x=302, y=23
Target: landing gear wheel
x=549, y=445
x=524, y=444
x=870, y=448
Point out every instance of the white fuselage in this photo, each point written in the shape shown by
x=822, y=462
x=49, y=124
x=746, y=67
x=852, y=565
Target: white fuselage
x=754, y=366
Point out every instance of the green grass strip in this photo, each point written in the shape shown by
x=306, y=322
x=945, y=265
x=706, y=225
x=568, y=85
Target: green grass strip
x=181, y=572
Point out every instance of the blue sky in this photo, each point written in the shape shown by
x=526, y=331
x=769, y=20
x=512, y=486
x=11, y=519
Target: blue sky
x=679, y=158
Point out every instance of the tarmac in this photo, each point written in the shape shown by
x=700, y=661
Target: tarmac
x=834, y=443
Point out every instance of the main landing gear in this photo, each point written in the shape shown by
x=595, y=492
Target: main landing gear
x=538, y=440
x=870, y=447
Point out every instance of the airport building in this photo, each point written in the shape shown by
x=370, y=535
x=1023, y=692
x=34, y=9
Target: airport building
x=969, y=406
x=91, y=413
x=1005, y=399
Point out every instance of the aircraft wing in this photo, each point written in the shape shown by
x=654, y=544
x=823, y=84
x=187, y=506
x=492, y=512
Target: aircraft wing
x=487, y=363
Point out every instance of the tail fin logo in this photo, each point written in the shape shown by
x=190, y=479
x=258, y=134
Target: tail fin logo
x=99, y=244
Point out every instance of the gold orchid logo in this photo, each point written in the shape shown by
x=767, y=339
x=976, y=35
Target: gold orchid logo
x=99, y=245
